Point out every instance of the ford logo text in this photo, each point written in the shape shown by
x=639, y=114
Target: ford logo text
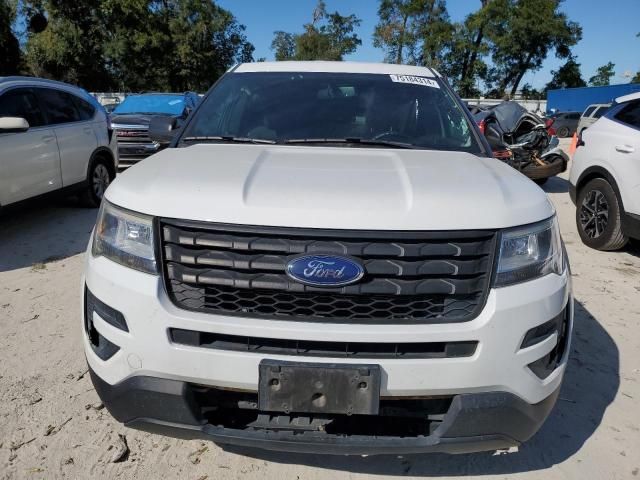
x=325, y=270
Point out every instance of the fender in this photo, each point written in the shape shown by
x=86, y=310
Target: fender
x=592, y=172
x=630, y=222
x=106, y=151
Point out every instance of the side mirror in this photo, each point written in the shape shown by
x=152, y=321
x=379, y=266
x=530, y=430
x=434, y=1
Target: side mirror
x=13, y=125
x=161, y=129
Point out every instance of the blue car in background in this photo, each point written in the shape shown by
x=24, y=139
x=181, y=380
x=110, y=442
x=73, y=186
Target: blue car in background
x=130, y=120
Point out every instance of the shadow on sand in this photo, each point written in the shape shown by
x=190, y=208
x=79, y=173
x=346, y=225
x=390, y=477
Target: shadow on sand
x=43, y=231
x=556, y=185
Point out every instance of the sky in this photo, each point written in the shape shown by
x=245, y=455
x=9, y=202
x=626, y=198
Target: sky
x=609, y=30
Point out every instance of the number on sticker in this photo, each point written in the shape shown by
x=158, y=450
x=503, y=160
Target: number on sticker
x=412, y=79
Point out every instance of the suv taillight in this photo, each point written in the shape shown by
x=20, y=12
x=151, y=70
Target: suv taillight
x=482, y=125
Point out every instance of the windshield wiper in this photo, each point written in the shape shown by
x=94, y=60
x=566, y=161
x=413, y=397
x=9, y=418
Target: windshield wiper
x=356, y=140
x=228, y=138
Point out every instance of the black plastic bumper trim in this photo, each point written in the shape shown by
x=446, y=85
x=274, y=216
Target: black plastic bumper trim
x=474, y=422
x=308, y=348
x=543, y=331
x=110, y=315
x=102, y=347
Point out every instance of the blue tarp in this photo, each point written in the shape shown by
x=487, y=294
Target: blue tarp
x=578, y=99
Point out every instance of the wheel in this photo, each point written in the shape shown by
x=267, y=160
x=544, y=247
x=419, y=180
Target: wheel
x=598, y=216
x=553, y=165
x=99, y=179
x=563, y=132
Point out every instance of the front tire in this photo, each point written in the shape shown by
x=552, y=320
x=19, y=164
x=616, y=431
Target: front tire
x=99, y=179
x=563, y=132
x=598, y=216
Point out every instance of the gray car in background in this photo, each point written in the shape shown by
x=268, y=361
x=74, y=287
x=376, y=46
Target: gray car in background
x=564, y=123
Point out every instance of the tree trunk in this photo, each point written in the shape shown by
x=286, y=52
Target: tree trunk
x=506, y=81
x=522, y=70
x=474, y=53
x=430, y=62
x=468, y=66
x=401, y=40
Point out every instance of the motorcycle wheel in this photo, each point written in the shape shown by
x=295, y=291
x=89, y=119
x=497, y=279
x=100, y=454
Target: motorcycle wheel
x=554, y=166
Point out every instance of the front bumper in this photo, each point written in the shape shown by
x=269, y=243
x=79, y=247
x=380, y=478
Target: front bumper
x=497, y=400
x=474, y=422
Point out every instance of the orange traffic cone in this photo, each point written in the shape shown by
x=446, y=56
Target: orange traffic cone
x=574, y=144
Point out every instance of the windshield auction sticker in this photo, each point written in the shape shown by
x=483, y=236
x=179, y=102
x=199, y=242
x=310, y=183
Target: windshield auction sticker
x=425, y=82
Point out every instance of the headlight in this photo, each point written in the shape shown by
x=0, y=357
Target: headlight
x=530, y=252
x=125, y=237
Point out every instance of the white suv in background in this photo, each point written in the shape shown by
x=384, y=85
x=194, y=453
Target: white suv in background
x=328, y=259
x=53, y=137
x=605, y=177
x=591, y=114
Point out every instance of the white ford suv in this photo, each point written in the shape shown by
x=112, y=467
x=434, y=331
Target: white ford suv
x=53, y=137
x=327, y=259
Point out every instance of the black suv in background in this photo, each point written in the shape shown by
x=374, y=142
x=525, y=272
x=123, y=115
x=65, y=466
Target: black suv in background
x=131, y=118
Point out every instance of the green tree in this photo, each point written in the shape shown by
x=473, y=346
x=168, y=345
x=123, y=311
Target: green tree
x=329, y=36
x=636, y=78
x=530, y=93
x=436, y=31
x=567, y=76
x=465, y=62
x=284, y=45
x=71, y=48
x=413, y=31
x=10, y=60
x=207, y=40
x=532, y=29
x=603, y=75
x=137, y=44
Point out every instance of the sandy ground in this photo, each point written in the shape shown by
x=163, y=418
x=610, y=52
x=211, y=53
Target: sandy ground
x=53, y=426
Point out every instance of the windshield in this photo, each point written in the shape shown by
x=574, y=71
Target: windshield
x=154, y=103
x=285, y=107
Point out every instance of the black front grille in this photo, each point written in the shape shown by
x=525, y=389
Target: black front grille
x=311, y=348
x=410, y=277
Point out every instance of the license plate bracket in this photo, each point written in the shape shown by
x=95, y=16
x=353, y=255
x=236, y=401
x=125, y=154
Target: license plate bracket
x=290, y=387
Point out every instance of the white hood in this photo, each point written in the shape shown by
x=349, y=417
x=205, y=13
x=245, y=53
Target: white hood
x=330, y=187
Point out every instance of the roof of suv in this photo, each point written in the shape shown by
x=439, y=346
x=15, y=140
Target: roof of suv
x=6, y=82
x=628, y=98
x=335, y=67
x=35, y=80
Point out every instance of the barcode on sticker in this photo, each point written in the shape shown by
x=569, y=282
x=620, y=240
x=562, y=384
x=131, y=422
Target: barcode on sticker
x=426, y=82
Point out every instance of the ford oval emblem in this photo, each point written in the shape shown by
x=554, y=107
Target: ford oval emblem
x=325, y=270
